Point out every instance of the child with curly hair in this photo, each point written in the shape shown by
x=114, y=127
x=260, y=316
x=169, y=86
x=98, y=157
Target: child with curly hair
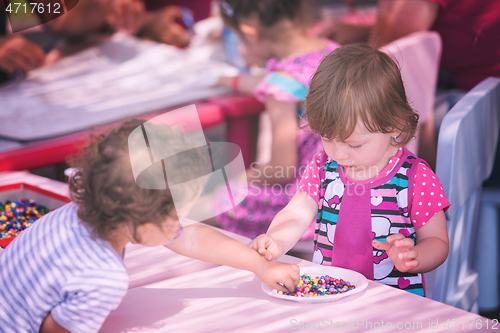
x=65, y=273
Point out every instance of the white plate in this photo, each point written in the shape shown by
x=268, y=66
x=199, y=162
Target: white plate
x=352, y=277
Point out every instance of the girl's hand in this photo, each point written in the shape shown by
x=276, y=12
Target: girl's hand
x=265, y=246
x=400, y=250
x=274, y=273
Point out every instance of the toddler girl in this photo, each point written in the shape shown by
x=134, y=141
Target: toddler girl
x=379, y=208
x=272, y=33
x=64, y=273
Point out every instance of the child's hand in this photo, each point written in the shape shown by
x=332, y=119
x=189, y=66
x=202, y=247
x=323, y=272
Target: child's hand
x=274, y=273
x=400, y=250
x=266, y=246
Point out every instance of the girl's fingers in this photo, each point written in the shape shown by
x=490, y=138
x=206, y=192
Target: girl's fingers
x=412, y=264
x=291, y=282
x=394, y=237
x=406, y=242
x=281, y=287
x=269, y=256
x=295, y=275
x=407, y=255
x=263, y=243
x=384, y=246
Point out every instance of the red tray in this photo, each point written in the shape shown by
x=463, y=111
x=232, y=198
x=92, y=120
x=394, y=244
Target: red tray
x=42, y=197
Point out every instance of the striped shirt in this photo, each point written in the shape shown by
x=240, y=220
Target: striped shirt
x=57, y=266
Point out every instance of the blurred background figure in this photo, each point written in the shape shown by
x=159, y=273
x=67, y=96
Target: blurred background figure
x=272, y=33
x=170, y=20
x=16, y=52
x=163, y=21
x=469, y=29
x=97, y=16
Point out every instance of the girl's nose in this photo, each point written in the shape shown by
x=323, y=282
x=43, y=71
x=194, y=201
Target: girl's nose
x=341, y=153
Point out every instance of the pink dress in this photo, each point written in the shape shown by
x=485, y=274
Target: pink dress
x=253, y=216
x=402, y=198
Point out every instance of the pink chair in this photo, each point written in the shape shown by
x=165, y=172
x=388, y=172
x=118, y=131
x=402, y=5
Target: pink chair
x=418, y=56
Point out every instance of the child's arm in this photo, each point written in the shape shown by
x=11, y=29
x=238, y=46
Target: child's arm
x=49, y=325
x=201, y=242
x=284, y=152
x=287, y=227
x=244, y=83
x=430, y=252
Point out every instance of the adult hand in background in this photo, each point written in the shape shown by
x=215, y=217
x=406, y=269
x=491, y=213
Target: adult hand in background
x=17, y=53
x=93, y=17
x=126, y=15
x=87, y=18
x=161, y=26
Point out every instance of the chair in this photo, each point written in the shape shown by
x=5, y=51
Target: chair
x=466, y=150
x=418, y=56
x=486, y=259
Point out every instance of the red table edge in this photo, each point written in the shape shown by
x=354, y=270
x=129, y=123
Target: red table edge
x=236, y=109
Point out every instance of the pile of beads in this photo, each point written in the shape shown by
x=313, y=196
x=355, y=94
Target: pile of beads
x=319, y=286
x=15, y=216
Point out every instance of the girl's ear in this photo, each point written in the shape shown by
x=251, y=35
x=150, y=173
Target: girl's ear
x=249, y=30
x=398, y=137
x=142, y=231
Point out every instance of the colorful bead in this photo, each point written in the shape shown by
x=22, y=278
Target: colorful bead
x=17, y=215
x=321, y=285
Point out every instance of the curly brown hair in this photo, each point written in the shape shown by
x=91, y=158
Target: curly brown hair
x=357, y=81
x=104, y=187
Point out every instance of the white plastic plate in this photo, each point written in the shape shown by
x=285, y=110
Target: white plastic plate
x=348, y=275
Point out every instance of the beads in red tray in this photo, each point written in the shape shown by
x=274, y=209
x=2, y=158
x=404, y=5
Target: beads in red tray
x=320, y=286
x=15, y=216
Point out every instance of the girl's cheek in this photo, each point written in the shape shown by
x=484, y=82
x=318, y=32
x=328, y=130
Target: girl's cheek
x=252, y=56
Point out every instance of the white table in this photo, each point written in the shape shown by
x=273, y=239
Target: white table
x=172, y=293
x=223, y=299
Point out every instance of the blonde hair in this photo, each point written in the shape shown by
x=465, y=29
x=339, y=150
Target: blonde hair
x=357, y=81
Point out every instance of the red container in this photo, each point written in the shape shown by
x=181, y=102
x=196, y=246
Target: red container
x=22, y=190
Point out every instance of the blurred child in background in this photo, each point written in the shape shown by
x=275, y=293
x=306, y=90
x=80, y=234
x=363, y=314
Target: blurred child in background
x=272, y=32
